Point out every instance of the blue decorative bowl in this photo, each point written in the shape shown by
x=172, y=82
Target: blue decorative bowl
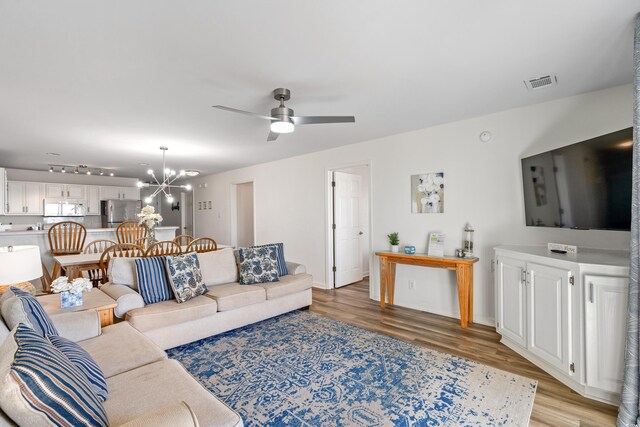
x=410, y=250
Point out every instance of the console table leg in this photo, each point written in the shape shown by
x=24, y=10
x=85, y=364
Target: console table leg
x=470, y=279
x=462, y=277
x=391, y=284
x=384, y=274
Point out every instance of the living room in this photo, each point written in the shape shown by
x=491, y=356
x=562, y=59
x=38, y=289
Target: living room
x=433, y=89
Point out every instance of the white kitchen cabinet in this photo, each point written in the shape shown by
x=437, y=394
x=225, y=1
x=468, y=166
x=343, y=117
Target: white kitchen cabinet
x=566, y=314
x=548, y=311
x=511, y=290
x=605, y=330
x=93, y=200
x=25, y=198
x=119, y=193
x=64, y=191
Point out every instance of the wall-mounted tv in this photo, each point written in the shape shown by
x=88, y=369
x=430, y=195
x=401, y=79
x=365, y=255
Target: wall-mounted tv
x=586, y=185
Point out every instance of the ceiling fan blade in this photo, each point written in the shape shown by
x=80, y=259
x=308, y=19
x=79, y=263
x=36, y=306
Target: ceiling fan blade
x=310, y=120
x=247, y=113
x=272, y=136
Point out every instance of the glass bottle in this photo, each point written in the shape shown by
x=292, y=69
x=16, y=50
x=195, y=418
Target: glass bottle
x=468, y=240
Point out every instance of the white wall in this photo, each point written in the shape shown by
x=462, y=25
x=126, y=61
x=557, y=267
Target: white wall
x=244, y=214
x=483, y=186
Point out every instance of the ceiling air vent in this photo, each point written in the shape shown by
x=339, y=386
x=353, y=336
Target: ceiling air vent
x=541, y=82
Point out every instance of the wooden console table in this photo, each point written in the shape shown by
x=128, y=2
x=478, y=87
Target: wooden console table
x=462, y=266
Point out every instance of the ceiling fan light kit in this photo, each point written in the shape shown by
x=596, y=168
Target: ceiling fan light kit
x=282, y=118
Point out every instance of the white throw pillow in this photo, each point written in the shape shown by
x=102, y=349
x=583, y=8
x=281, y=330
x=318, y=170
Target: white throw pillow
x=218, y=267
x=122, y=271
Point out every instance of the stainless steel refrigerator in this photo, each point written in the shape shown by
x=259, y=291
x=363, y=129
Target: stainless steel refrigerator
x=114, y=212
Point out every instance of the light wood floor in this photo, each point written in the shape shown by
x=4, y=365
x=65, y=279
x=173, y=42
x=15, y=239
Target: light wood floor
x=555, y=404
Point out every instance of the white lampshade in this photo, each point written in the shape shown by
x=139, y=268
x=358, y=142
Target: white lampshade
x=21, y=265
x=282, y=127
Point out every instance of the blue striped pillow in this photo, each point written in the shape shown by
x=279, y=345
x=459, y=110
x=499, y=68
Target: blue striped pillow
x=282, y=265
x=35, y=316
x=85, y=364
x=152, y=280
x=51, y=385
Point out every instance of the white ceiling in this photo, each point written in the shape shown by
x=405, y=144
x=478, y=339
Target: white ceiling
x=105, y=83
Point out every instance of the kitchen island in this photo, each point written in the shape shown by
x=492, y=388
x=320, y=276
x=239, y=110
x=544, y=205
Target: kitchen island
x=40, y=238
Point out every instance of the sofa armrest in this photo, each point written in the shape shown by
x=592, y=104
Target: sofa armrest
x=295, y=268
x=176, y=415
x=127, y=298
x=77, y=325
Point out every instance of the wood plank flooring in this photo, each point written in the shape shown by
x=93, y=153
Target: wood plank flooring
x=555, y=404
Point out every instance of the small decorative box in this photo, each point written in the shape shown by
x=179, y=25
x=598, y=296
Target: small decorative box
x=410, y=250
x=70, y=299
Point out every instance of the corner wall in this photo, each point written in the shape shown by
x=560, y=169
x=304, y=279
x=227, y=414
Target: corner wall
x=483, y=186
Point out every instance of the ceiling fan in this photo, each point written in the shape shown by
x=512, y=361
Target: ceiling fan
x=282, y=118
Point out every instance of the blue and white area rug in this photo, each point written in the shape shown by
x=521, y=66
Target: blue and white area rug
x=302, y=369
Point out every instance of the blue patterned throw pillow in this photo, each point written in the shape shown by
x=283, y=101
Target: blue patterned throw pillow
x=26, y=309
x=152, y=279
x=50, y=384
x=85, y=364
x=258, y=265
x=282, y=265
x=185, y=276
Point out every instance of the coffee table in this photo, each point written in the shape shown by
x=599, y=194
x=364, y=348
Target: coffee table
x=94, y=300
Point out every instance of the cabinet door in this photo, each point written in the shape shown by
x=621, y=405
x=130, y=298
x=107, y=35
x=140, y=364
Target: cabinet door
x=131, y=193
x=33, y=199
x=110, y=193
x=93, y=200
x=605, y=330
x=512, y=296
x=549, y=313
x=54, y=191
x=74, y=191
x=15, y=198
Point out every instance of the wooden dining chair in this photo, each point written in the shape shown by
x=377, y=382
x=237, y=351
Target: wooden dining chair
x=119, y=250
x=202, y=244
x=66, y=238
x=166, y=247
x=96, y=247
x=184, y=239
x=130, y=232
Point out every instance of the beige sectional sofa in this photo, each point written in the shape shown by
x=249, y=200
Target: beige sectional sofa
x=227, y=304
x=145, y=387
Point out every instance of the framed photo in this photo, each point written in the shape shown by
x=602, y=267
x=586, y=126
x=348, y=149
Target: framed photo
x=427, y=193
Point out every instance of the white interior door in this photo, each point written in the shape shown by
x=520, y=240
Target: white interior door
x=347, y=232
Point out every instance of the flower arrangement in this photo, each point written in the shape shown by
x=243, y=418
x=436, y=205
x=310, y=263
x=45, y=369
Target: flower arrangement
x=148, y=217
x=62, y=284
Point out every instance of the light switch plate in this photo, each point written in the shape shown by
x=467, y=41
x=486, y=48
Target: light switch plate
x=570, y=249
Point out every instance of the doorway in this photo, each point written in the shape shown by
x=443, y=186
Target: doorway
x=186, y=213
x=242, y=215
x=349, y=219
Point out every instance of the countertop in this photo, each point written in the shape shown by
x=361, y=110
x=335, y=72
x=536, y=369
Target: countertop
x=584, y=255
x=89, y=230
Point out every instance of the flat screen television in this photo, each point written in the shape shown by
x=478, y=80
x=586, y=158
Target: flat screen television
x=586, y=185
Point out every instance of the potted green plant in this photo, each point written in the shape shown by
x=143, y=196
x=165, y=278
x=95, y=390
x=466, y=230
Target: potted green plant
x=394, y=241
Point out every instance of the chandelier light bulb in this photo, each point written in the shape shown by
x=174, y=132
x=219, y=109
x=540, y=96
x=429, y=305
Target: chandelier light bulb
x=140, y=184
x=150, y=171
x=148, y=199
x=169, y=198
x=173, y=172
x=188, y=186
x=167, y=171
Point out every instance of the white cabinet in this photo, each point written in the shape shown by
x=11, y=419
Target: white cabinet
x=548, y=314
x=605, y=330
x=93, y=200
x=24, y=198
x=119, y=193
x=65, y=191
x=511, y=290
x=566, y=314
x=3, y=193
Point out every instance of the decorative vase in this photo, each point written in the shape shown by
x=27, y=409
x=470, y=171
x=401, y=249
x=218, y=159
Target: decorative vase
x=394, y=248
x=70, y=299
x=409, y=249
x=151, y=236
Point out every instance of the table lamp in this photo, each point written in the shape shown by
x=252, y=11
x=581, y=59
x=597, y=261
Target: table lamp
x=19, y=265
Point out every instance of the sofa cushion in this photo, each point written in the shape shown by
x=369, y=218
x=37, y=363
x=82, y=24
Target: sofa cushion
x=122, y=348
x=288, y=285
x=218, y=267
x=126, y=298
x=84, y=363
x=185, y=276
x=153, y=284
x=39, y=386
x=22, y=307
x=171, y=312
x=234, y=295
x=258, y=265
x=282, y=265
x=142, y=390
x=122, y=271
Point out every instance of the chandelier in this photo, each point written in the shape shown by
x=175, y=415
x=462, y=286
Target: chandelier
x=168, y=178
